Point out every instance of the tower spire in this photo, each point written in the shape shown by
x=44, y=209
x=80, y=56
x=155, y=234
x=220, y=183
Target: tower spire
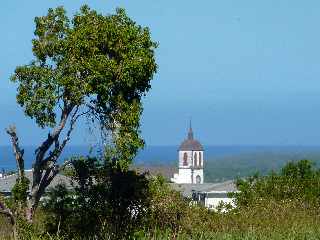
x=190, y=133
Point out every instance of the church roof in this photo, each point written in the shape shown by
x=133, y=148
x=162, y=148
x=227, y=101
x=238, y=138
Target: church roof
x=190, y=144
x=8, y=182
x=223, y=187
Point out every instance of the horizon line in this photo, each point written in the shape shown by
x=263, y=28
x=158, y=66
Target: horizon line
x=208, y=145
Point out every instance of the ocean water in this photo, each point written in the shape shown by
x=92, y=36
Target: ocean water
x=7, y=159
x=167, y=155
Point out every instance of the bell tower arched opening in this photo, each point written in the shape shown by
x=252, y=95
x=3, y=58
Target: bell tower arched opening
x=185, y=159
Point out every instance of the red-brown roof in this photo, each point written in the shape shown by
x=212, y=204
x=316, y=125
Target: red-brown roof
x=190, y=144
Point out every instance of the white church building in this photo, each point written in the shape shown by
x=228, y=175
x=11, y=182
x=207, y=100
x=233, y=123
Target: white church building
x=191, y=161
x=190, y=178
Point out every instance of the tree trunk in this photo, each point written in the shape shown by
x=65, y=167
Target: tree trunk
x=44, y=167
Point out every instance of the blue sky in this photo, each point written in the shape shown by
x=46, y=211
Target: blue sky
x=246, y=71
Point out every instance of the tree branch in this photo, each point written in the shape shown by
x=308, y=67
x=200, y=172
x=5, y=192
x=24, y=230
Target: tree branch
x=54, y=155
x=43, y=180
x=45, y=146
x=52, y=137
x=18, y=152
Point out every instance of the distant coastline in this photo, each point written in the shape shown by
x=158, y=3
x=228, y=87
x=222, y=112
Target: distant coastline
x=223, y=162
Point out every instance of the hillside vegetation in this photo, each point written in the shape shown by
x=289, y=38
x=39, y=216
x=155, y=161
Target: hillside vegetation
x=232, y=166
x=280, y=205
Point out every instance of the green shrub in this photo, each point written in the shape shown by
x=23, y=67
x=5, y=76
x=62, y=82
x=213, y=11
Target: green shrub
x=296, y=180
x=103, y=197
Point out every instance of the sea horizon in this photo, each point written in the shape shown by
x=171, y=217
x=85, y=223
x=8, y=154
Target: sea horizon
x=167, y=154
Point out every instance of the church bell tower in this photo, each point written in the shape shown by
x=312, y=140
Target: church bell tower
x=190, y=161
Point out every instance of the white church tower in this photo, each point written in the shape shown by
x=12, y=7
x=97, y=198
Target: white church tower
x=190, y=161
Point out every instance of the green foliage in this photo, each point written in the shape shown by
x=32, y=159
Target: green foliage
x=20, y=190
x=60, y=201
x=103, y=200
x=128, y=199
x=301, y=170
x=297, y=180
x=6, y=228
x=108, y=195
x=167, y=207
x=99, y=65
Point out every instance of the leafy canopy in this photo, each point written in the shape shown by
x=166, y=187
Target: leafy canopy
x=95, y=65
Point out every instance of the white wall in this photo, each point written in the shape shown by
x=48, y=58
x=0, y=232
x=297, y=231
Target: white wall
x=185, y=174
x=213, y=203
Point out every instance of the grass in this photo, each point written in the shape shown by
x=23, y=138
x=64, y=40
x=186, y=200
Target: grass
x=264, y=221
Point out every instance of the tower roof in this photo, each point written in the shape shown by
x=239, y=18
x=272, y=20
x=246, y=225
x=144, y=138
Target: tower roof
x=190, y=144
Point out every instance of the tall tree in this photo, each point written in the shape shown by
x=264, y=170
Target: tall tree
x=94, y=66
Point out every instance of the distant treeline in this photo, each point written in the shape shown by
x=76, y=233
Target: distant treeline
x=246, y=164
x=227, y=162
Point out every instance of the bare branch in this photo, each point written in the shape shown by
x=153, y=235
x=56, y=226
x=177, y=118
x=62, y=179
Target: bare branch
x=54, y=155
x=41, y=181
x=53, y=138
x=73, y=120
x=55, y=133
x=18, y=152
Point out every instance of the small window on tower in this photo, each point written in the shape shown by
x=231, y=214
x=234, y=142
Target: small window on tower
x=185, y=159
x=200, y=159
x=195, y=159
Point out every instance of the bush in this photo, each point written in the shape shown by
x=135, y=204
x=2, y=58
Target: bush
x=296, y=180
x=103, y=201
